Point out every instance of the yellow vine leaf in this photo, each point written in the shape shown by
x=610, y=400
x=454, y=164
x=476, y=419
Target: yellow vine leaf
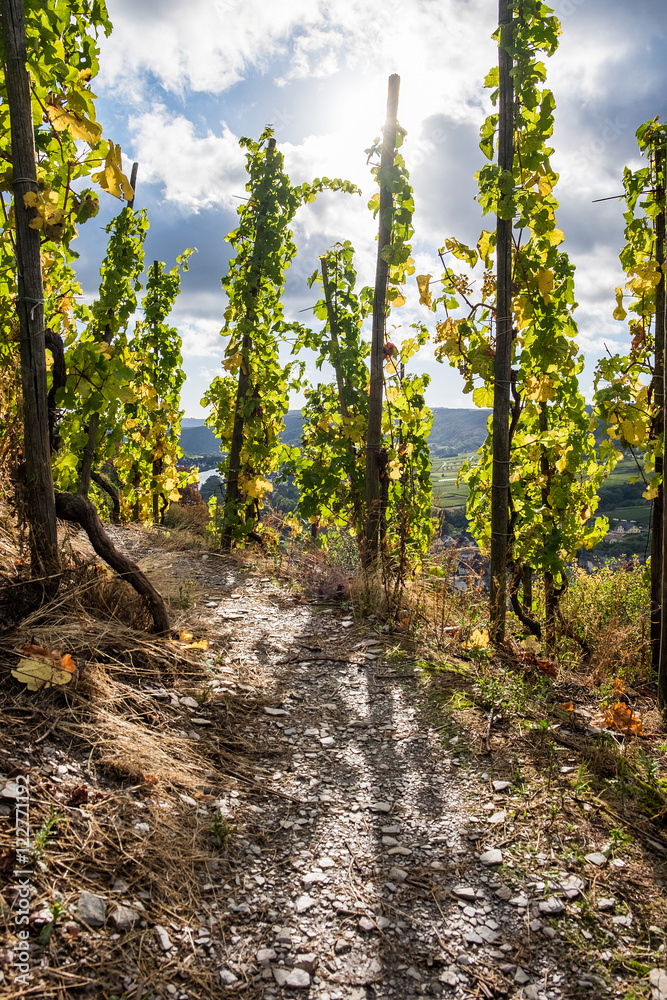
x=395, y=469
x=532, y=644
x=555, y=237
x=112, y=178
x=619, y=312
x=43, y=671
x=398, y=301
x=201, y=644
x=647, y=278
x=561, y=464
x=522, y=308
x=482, y=396
x=49, y=217
x=256, y=487
x=80, y=127
x=461, y=251
x=425, y=297
x=478, y=640
x=485, y=245
x=633, y=432
x=540, y=388
x=545, y=283
x=231, y=364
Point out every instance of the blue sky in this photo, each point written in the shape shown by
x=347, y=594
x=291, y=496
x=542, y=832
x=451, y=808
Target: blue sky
x=180, y=83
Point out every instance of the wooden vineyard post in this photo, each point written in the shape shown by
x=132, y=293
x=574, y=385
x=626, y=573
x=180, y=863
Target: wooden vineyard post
x=503, y=360
x=660, y=595
x=658, y=554
x=41, y=511
x=158, y=463
x=374, y=433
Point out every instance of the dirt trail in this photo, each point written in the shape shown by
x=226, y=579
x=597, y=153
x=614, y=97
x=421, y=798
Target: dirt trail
x=367, y=872
x=363, y=853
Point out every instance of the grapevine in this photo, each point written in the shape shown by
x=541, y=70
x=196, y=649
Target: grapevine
x=249, y=403
x=554, y=473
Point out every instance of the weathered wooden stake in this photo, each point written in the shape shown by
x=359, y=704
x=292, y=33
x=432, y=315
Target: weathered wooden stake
x=371, y=539
x=41, y=512
x=503, y=360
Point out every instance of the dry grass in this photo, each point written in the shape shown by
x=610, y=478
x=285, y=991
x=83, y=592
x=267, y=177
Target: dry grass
x=116, y=748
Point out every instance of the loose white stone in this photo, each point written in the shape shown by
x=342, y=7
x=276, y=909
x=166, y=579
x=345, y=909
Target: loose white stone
x=398, y=875
x=124, y=917
x=91, y=909
x=280, y=975
x=551, y=906
x=274, y=711
x=366, y=925
x=189, y=702
x=307, y=962
x=227, y=977
x=492, y=857
x=500, y=786
x=521, y=977
x=163, y=938
x=304, y=903
x=606, y=904
x=312, y=877
x=448, y=977
x=596, y=859
x=380, y=807
x=658, y=980
x=266, y=955
x=498, y=817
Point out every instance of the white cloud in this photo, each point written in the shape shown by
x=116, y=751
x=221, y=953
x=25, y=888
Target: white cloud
x=201, y=337
x=327, y=63
x=204, y=45
x=196, y=172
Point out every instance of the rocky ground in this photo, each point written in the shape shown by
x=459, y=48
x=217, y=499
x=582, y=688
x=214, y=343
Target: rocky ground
x=367, y=851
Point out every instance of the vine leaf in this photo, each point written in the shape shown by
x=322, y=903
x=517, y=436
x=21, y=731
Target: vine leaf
x=619, y=312
x=42, y=668
x=425, y=297
x=80, y=126
x=112, y=178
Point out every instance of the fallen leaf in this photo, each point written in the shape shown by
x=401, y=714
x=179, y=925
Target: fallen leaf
x=36, y=672
x=202, y=644
x=566, y=706
x=185, y=636
x=31, y=650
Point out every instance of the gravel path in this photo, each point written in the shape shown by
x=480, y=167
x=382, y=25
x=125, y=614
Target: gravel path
x=374, y=878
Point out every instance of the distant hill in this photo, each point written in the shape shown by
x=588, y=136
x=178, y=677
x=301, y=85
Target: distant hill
x=454, y=432
x=199, y=440
x=457, y=431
